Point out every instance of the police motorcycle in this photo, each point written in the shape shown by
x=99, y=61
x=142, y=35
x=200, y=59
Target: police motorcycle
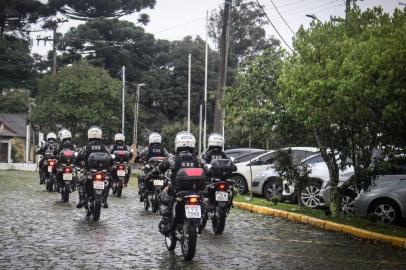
x=119, y=171
x=50, y=163
x=218, y=195
x=152, y=187
x=67, y=173
x=186, y=211
x=96, y=181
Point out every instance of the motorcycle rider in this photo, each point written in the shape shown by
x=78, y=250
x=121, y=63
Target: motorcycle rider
x=120, y=145
x=49, y=148
x=184, y=158
x=215, y=148
x=154, y=149
x=95, y=144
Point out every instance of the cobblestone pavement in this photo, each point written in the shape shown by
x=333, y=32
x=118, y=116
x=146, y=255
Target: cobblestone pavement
x=39, y=233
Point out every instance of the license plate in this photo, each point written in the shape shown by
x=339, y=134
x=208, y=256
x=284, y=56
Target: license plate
x=193, y=211
x=49, y=168
x=221, y=196
x=158, y=182
x=121, y=173
x=98, y=184
x=67, y=176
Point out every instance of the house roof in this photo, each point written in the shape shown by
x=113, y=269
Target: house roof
x=15, y=125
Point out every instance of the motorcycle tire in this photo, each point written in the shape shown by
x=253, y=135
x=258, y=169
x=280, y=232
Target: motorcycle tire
x=146, y=204
x=189, y=240
x=155, y=205
x=119, y=191
x=65, y=193
x=49, y=185
x=170, y=241
x=219, y=220
x=96, y=209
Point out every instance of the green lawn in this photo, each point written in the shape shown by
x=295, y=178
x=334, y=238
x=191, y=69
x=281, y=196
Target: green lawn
x=358, y=222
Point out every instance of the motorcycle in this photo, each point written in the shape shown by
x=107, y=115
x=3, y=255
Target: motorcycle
x=97, y=182
x=50, y=174
x=218, y=195
x=120, y=171
x=66, y=174
x=186, y=211
x=153, y=186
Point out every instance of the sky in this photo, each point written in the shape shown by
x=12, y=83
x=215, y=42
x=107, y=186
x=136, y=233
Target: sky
x=174, y=19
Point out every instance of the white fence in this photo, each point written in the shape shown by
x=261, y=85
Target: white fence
x=31, y=167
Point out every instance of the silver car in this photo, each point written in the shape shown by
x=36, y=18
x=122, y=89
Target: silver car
x=386, y=198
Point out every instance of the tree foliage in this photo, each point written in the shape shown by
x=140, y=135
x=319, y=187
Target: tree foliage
x=247, y=34
x=90, y=9
x=77, y=97
x=343, y=81
x=14, y=101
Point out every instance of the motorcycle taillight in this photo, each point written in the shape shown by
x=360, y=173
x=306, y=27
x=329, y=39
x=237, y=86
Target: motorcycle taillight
x=221, y=186
x=120, y=167
x=51, y=162
x=99, y=177
x=193, y=200
x=67, y=170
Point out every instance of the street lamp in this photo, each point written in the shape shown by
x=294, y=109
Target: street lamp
x=136, y=106
x=314, y=17
x=1, y=134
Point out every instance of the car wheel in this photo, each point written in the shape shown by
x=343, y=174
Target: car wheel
x=272, y=188
x=240, y=184
x=386, y=210
x=310, y=195
x=347, y=202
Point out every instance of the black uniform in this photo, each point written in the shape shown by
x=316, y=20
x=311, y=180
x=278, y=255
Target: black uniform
x=153, y=150
x=120, y=146
x=214, y=153
x=94, y=146
x=48, y=150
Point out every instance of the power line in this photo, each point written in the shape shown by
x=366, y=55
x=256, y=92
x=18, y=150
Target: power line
x=280, y=15
x=273, y=26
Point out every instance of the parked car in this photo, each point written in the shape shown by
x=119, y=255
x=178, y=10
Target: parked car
x=269, y=184
x=386, y=197
x=249, y=156
x=236, y=152
x=246, y=171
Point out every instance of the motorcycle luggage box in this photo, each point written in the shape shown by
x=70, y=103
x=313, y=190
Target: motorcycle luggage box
x=121, y=156
x=190, y=179
x=98, y=161
x=154, y=161
x=222, y=168
x=66, y=157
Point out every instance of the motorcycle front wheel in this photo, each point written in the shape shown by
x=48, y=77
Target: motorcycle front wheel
x=189, y=239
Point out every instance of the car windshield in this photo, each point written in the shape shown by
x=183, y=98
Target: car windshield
x=247, y=157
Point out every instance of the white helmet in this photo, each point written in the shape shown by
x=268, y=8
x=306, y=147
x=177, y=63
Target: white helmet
x=184, y=139
x=51, y=136
x=94, y=133
x=216, y=139
x=64, y=134
x=119, y=137
x=154, y=138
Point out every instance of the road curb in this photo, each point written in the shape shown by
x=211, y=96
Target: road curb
x=399, y=242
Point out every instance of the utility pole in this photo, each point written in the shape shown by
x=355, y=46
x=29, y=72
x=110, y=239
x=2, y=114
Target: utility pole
x=53, y=25
x=188, y=92
x=225, y=37
x=136, y=106
x=123, y=101
x=205, y=84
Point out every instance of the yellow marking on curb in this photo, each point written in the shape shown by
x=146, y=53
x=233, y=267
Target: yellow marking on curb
x=324, y=224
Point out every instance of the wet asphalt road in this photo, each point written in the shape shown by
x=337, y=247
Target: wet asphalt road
x=38, y=233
